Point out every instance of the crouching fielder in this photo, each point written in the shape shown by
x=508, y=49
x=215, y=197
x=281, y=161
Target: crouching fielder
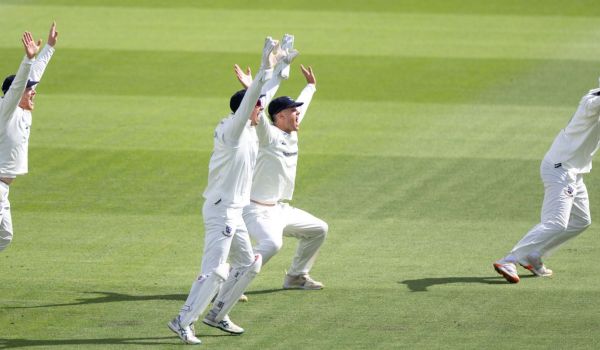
x=269, y=217
x=227, y=192
x=565, y=210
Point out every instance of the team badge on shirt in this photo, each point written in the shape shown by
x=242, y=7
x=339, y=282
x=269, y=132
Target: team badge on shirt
x=228, y=231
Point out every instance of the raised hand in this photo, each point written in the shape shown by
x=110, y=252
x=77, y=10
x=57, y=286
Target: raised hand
x=52, y=35
x=309, y=75
x=31, y=47
x=244, y=78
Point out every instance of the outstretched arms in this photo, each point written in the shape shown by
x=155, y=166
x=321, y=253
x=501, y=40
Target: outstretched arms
x=280, y=72
x=272, y=54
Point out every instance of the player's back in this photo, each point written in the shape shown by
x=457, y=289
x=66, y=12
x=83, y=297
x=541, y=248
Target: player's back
x=576, y=144
x=231, y=166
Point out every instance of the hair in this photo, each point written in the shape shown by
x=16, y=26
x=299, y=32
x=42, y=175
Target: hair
x=236, y=100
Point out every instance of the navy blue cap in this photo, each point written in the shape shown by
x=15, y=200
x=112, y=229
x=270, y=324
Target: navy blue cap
x=8, y=81
x=281, y=103
x=236, y=100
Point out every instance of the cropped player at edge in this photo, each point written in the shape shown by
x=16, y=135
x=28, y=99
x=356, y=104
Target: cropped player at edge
x=227, y=193
x=269, y=216
x=565, y=210
x=16, y=109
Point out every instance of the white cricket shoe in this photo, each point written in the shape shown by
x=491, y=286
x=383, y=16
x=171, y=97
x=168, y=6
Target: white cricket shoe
x=301, y=282
x=508, y=270
x=536, y=266
x=185, y=333
x=226, y=325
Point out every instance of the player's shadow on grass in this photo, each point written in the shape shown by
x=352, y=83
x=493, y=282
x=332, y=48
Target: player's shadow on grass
x=59, y=343
x=108, y=297
x=422, y=284
x=111, y=297
x=267, y=291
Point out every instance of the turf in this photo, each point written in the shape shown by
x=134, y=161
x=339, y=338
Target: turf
x=421, y=150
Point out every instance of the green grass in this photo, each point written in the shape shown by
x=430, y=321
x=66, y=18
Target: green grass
x=421, y=150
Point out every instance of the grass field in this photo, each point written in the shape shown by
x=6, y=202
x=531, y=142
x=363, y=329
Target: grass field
x=421, y=150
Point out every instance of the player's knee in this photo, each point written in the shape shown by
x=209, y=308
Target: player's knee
x=323, y=228
x=271, y=247
x=249, y=270
x=582, y=224
x=587, y=222
x=556, y=227
x=257, y=264
x=221, y=271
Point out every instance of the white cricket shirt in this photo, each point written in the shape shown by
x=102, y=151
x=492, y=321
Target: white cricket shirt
x=15, y=122
x=234, y=155
x=577, y=143
x=275, y=173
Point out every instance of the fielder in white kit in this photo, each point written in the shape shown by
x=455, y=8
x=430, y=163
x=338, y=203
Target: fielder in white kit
x=15, y=121
x=269, y=216
x=228, y=191
x=565, y=210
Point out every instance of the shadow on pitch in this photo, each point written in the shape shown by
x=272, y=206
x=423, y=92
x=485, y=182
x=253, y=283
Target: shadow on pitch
x=22, y=343
x=108, y=297
x=111, y=297
x=422, y=284
x=267, y=291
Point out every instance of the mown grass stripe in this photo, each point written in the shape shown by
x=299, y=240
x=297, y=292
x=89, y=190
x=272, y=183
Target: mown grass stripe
x=583, y=8
x=364, y=34
x=422, y=80
x=373, y=188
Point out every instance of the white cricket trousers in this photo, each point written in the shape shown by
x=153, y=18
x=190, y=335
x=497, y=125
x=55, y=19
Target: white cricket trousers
x=6, y=229
x=225, y=236
x=565, y=212
x=268, y=224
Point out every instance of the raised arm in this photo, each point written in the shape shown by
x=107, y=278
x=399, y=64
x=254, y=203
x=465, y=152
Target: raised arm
x=45, y=55
x=13, y=95
x=308, y=92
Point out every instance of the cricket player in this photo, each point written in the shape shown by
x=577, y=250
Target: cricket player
x=565, y=210
x=15, y=121
x=269, y=216
x=228, y=191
